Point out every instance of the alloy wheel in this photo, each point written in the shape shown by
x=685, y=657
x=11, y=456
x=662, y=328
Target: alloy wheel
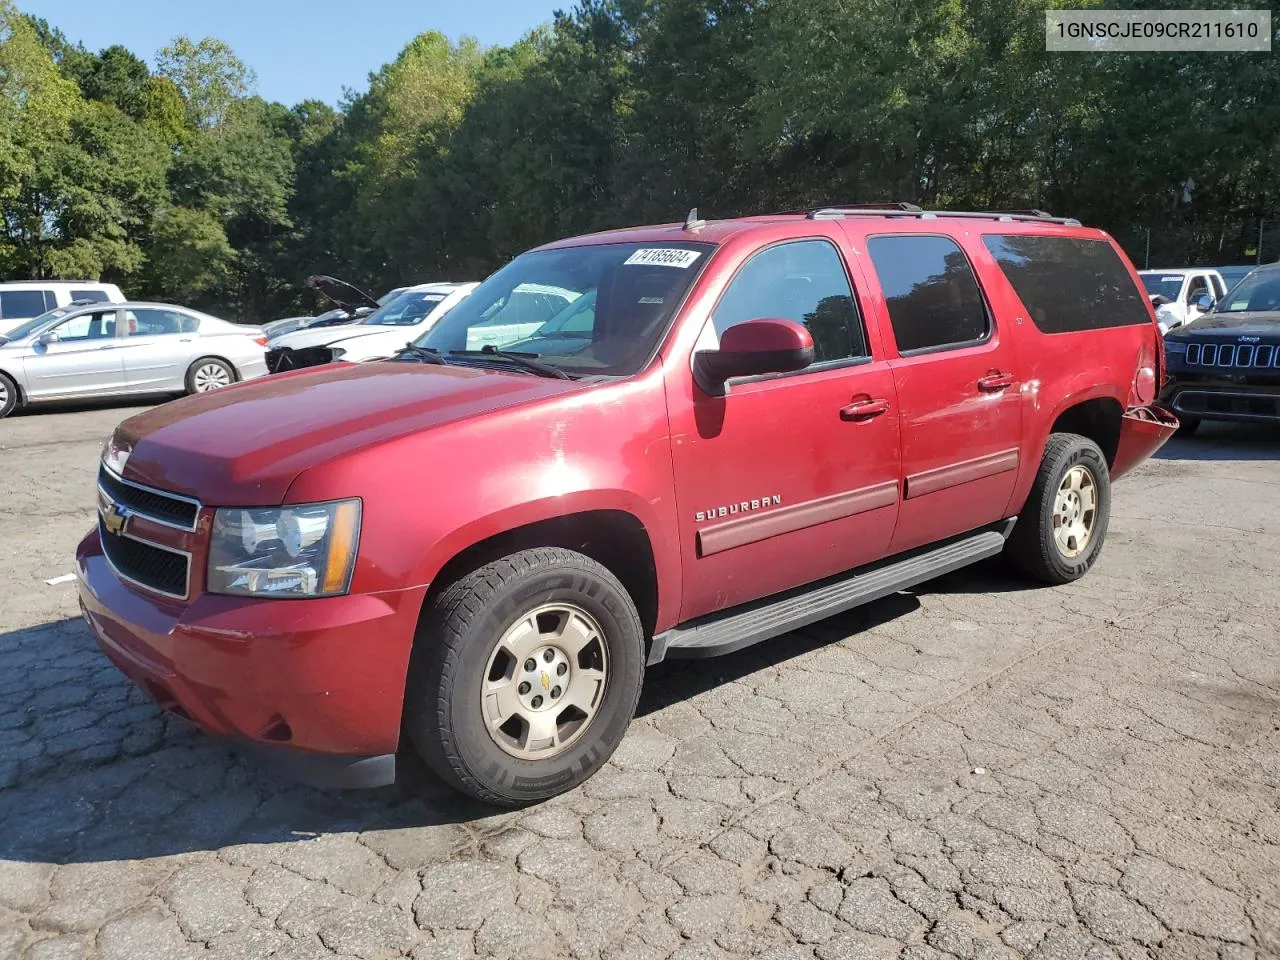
x=544, y=682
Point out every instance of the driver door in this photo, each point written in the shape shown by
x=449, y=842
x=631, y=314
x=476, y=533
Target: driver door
x=84, y=360
x=786, y=478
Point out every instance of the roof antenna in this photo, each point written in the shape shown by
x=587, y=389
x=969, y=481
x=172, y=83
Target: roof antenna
x=692, y=223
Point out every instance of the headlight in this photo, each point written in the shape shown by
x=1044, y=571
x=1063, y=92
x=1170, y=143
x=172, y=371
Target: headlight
x=301, y=551
x=1175, y=346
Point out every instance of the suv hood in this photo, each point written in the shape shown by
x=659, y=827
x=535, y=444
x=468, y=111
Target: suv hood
x=245, y=444
x=341, y=293
x=1256, y=323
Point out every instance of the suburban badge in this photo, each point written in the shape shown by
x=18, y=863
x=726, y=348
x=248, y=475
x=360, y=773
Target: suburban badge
x=742, y=506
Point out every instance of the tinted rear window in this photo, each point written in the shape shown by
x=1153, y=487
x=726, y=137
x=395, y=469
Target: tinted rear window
x=1069, y=284
x=20, y=304
x=94, y=296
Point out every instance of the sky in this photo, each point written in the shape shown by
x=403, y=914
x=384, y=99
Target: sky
x=300, y=49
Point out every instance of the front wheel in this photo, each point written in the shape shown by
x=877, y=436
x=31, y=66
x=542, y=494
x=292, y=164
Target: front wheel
x=524, y=676
x=1061, y=528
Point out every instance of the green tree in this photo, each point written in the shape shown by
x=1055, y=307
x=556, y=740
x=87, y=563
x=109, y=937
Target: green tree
x=209, y=76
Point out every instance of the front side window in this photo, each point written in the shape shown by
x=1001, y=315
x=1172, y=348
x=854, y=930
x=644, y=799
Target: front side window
x=597, y=309
x=1198, y=287
x=87, y=326
x=145, y=322
x=933, y=297
x=1219, y=289
x=803, y=281
x=1070, y=284
x=20, y=304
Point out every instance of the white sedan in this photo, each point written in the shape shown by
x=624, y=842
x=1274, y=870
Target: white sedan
x=379, y=335
x=119, y=349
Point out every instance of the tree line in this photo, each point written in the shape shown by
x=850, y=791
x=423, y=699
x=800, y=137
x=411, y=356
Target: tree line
x=181, y=184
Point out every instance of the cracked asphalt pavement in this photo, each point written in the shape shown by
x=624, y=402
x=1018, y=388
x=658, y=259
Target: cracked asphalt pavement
x=974, y=770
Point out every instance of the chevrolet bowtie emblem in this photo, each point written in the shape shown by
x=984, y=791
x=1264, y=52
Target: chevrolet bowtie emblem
x=546, y=680
x=114, y=518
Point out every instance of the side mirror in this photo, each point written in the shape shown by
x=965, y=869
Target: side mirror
x=47, y=338
x=751, y=349
x=1203, y=303
x=361, y=312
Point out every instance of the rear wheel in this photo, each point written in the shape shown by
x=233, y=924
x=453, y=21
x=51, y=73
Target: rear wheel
x=525, y=675
x=1187, y=426
x=209, y=373
x=8, y=396
x=1060, y=531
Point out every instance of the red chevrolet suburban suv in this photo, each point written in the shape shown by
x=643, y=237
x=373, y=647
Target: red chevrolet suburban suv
x=708, y=434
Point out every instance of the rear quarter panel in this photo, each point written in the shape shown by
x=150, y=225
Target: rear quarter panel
x=1058, y=371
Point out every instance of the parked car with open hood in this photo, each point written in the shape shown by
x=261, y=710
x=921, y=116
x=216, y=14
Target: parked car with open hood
x=1225, y=364
x=120, y=349
x=380, y=334
x=732, y=430
x=350, y=305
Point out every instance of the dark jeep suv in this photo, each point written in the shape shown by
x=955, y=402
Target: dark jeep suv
x=1225, y=364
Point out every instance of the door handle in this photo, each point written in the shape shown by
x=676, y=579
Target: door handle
x=995, y=382
x=864, y=409
x=107, y=346
x=187, y=340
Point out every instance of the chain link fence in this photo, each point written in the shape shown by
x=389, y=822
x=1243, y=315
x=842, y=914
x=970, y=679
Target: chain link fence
x=1202, y=244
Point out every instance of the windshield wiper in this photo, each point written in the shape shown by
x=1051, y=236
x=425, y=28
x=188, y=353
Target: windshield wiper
x=425, y=354
x=525, y=361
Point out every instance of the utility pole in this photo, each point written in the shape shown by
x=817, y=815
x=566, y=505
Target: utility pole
x=1260, y=223
x=1146, y=257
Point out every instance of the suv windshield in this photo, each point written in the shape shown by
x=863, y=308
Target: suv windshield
x=1260, y=290
x=598, y=309
x=405, y=310
x=1166, y=285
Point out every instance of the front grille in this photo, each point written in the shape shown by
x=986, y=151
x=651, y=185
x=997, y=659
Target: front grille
x=1238, y=357
x=280, y=359
x=152, y=504
x=164, y=571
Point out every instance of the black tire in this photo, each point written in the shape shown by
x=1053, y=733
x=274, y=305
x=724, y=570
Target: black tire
x=457, y=635
x=1033, y=550
x=1187, y=426
x=205, y=362
x=8, y=395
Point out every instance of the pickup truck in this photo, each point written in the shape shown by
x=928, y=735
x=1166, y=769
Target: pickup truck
x=1177, y=294
x=747, y=425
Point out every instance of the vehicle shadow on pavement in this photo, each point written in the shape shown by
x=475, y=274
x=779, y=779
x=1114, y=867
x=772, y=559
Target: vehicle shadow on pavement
x=92, y=770
x=127, y=406
x=1225, y=441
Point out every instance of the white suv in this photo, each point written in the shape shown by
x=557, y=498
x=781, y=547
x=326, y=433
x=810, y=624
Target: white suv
x=25, y=299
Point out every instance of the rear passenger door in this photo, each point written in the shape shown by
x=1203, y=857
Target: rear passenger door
x=158, y=346
x=958, y=383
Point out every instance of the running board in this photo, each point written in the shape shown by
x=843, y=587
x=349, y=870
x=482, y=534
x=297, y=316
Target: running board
x=731, y=630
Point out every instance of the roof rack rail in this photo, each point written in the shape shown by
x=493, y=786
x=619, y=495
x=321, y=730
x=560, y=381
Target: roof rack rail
x=836, y=209
x=900, y=210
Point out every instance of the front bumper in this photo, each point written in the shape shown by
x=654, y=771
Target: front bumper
x=314, y=687
x=1224, y=400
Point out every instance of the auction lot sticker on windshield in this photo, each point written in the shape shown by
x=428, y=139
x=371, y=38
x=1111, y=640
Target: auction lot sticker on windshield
x=663, y=257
